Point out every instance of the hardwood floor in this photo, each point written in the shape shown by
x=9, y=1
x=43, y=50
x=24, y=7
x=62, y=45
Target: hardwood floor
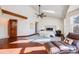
x=22, y=45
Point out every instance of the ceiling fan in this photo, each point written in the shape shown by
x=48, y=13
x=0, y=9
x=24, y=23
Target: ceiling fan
x=40, y=14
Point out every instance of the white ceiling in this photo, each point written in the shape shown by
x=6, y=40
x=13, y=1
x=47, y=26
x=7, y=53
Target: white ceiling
x=60, y=10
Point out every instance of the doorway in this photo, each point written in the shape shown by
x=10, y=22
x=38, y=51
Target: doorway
x=12, y=30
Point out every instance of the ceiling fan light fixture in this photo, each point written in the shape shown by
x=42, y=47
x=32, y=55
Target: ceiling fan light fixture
x=40, y=14
x=48, y=11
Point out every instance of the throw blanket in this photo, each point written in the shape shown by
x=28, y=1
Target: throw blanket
x=61, y=47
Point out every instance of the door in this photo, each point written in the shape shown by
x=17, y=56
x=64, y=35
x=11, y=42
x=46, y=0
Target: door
x=12, y=29
x=36, y=25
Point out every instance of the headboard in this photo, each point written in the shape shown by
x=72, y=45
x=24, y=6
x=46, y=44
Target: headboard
x=74, y=36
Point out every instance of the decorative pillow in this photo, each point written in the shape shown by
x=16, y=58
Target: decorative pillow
x=68, y=41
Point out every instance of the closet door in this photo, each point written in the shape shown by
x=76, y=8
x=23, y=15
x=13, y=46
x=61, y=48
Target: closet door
x=12, y=29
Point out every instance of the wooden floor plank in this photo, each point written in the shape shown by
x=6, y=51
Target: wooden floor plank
x=21, y=46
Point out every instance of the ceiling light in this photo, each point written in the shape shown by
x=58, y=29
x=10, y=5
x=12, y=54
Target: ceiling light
x=49, y=11
x=40, y=14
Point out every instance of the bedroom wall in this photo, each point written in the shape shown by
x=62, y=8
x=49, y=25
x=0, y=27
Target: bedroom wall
x=50, y=21
x=72, y=11
x=24, y=27
x=3, y=27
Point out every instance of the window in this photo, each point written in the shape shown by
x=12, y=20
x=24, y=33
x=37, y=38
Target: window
x=76, y=25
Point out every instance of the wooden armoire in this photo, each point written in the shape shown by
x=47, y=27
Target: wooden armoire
x=12, y=30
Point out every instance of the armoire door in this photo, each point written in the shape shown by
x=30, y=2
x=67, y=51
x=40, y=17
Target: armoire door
x=12, y=26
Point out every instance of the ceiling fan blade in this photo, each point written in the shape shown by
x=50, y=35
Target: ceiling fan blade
x=40, y=14
x=43, y=14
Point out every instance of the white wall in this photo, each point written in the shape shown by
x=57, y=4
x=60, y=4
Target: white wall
x=50, y=21
x=23, y=24
x=3, y=27
x=67, y=28
x=73, y=11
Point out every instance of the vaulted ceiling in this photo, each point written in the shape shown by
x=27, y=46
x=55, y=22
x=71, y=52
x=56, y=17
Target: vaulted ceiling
x=59, y=10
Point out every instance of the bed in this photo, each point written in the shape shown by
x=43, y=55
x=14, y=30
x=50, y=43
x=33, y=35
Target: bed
x=70, y=45
x=59, y=48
